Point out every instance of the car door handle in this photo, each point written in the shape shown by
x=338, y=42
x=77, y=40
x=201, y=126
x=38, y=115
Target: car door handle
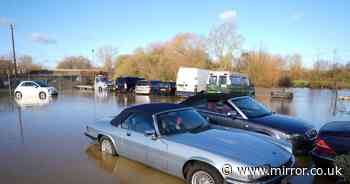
x=128, y=134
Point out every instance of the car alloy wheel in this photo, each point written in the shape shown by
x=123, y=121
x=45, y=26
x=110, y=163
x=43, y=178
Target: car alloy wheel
x=18, y=95
x=202, y=177
x=42, y=95
x=106, y=147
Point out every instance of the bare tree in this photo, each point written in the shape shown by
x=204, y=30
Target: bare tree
x=295, y=66
x=25, y=64
x=224, y=42
x=107, y=55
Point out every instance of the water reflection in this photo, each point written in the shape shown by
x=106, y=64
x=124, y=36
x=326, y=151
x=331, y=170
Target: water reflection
x=34, y=102
x=44, y=139
x=127, y=171
x=20, y=123
x=316, y=106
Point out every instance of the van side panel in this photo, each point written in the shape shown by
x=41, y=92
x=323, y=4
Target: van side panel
x=189, y=79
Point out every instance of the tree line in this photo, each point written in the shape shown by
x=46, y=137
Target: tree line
x=221, y=49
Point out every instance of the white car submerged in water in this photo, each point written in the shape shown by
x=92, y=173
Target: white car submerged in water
x=34, y=89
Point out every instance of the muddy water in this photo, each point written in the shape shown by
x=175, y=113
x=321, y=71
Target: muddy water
x=42, y=141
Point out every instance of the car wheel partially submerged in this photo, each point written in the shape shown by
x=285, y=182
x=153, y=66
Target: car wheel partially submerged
x=18, y=95
x=106, y=146
x=200, y=173
x=42, y=95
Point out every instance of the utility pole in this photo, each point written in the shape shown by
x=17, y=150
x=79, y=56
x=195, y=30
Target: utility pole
x=335, y=87
x=13, y=49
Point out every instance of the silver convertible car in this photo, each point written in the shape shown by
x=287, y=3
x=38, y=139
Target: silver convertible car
x=179, y=141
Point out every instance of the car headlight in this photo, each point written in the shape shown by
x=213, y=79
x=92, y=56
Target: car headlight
x=289, y=137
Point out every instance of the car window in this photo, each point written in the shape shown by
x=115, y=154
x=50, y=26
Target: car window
x=235, y=80
x=155, y=83
x=245, y=81
x=29, y=84
x=213, y=79
x=138, y=123
x=223, y=80
x=219, y=107
x=180, y=121
x=41, y=83
x=251, y=108
x=142, y=83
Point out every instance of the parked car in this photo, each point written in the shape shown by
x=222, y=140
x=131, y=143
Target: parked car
x=167, y=88
x=333, y=140
x=178, y=140
x=126, y=84
x=231, y=83
x=34, y=89
x=191, y=81
x=147, y=87
x=102, y=83
x=246, y=113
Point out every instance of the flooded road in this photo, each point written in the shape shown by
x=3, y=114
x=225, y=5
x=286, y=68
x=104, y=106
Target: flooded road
x=42, y=141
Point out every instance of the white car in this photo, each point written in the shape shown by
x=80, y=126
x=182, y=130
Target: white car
x=34, y=88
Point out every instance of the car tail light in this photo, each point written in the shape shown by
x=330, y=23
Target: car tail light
x=323, y=147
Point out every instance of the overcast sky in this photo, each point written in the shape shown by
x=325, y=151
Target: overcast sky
x=51, y=30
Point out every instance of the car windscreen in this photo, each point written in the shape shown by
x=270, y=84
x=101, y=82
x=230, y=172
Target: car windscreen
x=164, y=85
x=251, y=108
x=239, y=80
x=120, y=80
x=180, y=121
x=142, y=83
x=212, y=80
x=155, y=83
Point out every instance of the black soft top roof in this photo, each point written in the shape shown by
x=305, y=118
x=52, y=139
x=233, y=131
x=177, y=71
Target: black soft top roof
x=146, y=110
x=209, y=97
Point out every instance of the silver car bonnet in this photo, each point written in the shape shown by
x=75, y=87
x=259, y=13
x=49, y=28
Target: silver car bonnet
x=241, y=147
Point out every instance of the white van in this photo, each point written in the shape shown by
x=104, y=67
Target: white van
x=191, y=81
x=229, y=82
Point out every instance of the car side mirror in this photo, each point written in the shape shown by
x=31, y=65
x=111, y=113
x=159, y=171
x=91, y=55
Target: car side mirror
x=151, y=133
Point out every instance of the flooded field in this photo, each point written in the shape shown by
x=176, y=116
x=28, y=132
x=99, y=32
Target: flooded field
x=42, y=141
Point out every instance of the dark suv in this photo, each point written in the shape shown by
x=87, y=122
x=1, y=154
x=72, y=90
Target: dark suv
x=126, y=84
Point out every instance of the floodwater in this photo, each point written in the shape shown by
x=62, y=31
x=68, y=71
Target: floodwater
x=42, y=141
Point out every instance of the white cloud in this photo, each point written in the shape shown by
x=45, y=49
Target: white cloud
x=42, y=38
x=228, y=15
x=297, y=16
